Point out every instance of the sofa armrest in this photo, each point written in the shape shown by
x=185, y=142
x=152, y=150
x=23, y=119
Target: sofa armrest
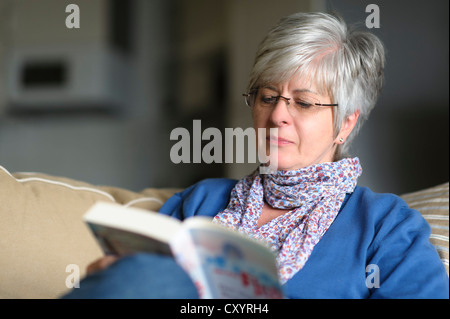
x=42, y=231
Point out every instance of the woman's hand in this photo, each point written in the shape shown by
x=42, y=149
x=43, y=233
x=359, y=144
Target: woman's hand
x=101, y=263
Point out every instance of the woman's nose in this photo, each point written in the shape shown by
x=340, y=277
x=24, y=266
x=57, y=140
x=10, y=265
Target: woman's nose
x=280, y=113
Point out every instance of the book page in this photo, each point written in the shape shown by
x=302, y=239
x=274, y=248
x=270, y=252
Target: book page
x=121, y=242
x=124, y=230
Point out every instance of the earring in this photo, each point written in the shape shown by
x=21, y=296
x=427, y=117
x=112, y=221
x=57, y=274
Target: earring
x=341, y=140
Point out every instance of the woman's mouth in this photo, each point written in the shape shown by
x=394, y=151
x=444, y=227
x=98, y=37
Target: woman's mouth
x=276, y=140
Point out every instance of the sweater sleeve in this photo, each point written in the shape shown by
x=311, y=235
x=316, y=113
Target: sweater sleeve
x=402, y=263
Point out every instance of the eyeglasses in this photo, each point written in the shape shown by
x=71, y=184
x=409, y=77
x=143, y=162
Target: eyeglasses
x=302, y=104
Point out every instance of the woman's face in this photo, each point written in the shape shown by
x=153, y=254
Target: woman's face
x=305, y=134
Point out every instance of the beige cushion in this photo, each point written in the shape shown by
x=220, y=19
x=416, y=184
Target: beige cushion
x=432, y=203
x=41, y=230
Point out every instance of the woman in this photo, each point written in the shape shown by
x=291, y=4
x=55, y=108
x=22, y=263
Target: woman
x=313, y=84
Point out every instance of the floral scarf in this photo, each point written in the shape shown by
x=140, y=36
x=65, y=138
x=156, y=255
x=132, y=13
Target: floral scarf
x=313, y=195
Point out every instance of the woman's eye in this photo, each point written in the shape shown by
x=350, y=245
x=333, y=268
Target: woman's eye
x=268, y=99
x=304, y=104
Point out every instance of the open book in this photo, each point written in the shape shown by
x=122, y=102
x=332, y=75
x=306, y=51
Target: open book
x=221, y=262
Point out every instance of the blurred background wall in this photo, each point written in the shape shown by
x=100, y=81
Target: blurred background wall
x=98, y=103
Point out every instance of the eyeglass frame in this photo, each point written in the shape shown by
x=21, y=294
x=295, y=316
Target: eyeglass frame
x=277, y=97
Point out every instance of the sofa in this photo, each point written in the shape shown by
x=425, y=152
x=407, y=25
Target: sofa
x=44, y=243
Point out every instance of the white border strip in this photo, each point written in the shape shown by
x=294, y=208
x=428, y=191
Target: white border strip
x=43, y=180
x=435, y=217
x=439, y=237
x=434, y=200
x=6, y=171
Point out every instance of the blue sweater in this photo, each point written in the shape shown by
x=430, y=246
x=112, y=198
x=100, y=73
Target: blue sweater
x=377, y=247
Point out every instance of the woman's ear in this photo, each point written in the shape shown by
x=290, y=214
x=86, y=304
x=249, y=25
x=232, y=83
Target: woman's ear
x=347, y=127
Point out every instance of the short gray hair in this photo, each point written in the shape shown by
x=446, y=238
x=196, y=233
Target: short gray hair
x=345, y=63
